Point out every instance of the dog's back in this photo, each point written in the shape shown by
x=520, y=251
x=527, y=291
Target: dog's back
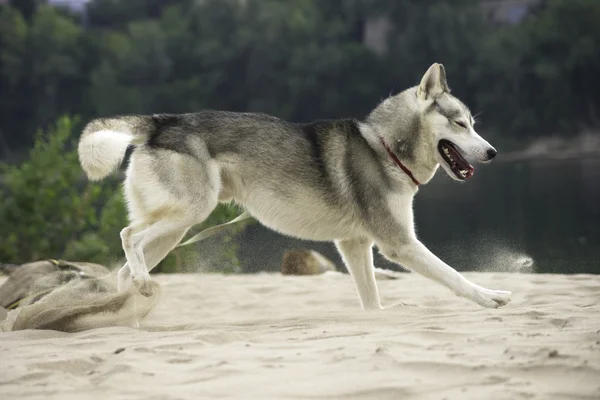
x=281, y=172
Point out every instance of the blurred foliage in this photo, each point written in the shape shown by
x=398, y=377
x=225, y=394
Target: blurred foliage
x=295, y=59
x=49, y=209
x=299, y=59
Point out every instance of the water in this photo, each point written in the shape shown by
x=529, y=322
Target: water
x=530, y=216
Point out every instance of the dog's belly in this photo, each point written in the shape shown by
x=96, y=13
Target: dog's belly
x=309, y=219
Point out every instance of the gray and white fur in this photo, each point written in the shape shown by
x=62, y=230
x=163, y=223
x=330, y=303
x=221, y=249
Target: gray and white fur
x=326, y=180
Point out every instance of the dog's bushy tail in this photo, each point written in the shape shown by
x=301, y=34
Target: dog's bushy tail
x=104, y=141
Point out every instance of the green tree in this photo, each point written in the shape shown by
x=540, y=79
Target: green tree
x=297, y=59
x=26, y=7
x=48, y=207
x=563, y=62
x=50, y=210
x=539, y=77
x=41, y=74
x=13, y=44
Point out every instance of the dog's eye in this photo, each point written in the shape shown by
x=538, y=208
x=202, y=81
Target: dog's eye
x=461, y=124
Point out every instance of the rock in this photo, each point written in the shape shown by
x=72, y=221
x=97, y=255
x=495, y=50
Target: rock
x=305, y=262
x=42, y=275
x=8, y=269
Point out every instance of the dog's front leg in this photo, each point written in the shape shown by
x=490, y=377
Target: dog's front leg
x=415, y=256
x=358, y=257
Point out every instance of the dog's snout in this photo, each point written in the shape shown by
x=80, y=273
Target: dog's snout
x=491, y=153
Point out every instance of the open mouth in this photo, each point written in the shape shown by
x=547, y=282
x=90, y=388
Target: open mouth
x=457, y=163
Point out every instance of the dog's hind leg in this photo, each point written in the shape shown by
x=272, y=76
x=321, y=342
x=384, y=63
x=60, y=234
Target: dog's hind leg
x=154, y=253
x=358, y=257
x=167, y=193
x=134, y=244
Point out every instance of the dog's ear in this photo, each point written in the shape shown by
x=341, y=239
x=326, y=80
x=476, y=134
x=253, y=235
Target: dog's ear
x=433, y=82
x=443, y=81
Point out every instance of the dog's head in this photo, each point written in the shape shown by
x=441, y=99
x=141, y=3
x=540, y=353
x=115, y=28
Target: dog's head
x=449, y=125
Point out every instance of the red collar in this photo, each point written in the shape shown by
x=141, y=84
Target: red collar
x=399, y=163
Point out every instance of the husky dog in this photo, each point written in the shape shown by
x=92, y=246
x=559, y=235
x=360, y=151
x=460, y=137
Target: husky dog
x=347, y=181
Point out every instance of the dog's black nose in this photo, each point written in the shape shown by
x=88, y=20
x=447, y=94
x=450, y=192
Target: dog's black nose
x=491, y=153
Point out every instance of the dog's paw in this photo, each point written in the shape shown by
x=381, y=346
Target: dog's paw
x=143, y=285
x=490, y=298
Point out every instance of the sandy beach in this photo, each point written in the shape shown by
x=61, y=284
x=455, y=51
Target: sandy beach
x=267, y=336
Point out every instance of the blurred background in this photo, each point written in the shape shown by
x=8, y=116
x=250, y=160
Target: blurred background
x=530, y=69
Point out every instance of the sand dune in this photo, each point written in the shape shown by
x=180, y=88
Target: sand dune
x=268, y=336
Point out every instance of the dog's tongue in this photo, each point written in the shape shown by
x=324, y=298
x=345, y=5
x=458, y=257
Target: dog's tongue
x=470, y=171
x=460, y=164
